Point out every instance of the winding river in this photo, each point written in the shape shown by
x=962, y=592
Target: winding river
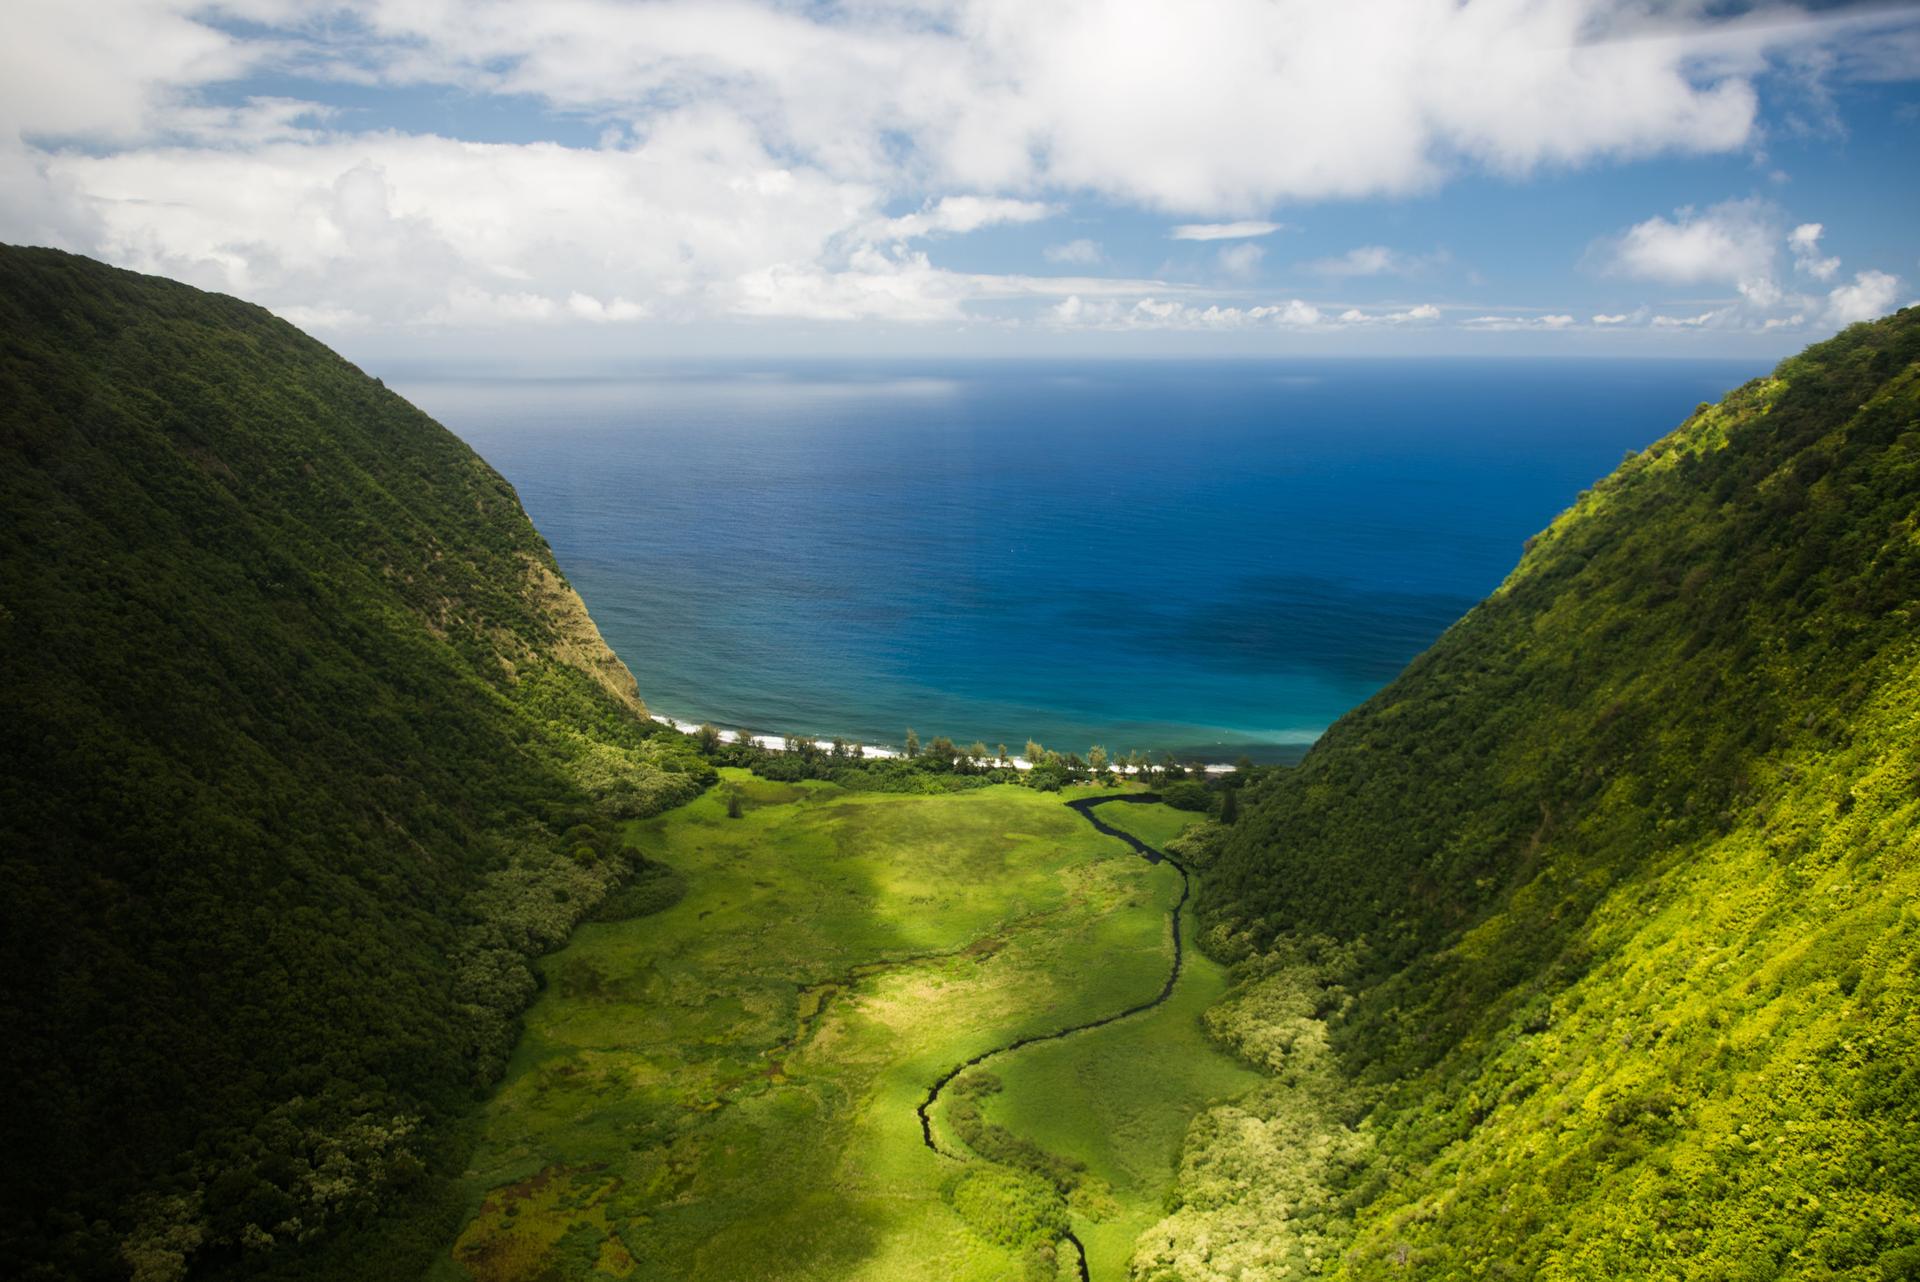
x=1085, y=806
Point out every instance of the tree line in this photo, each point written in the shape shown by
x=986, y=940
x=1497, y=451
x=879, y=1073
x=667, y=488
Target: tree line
x=942, y=765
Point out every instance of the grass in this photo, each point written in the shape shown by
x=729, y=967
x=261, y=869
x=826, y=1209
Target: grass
x=727, y=1088
x=1154, y=824
x=1119, y=1098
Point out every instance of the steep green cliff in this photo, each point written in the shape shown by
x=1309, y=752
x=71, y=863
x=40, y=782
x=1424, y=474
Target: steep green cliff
x=305, y=747
x=1588, y=948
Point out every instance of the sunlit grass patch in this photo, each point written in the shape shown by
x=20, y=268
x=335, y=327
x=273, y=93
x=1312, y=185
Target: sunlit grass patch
x=742, y=1069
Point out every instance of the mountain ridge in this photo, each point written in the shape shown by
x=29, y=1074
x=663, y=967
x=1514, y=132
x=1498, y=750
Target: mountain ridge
x=1700, y=687
x=309, y=747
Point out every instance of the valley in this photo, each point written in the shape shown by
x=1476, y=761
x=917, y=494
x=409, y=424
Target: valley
x=728, y=1088
x=362, y=923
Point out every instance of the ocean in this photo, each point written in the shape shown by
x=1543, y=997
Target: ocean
x=1211, y=558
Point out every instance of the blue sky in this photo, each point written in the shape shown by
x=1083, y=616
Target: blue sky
x=605, y=180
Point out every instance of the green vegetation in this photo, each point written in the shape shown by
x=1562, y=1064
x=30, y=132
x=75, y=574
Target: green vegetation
x=305, y=749
x=1587, y=949
x=728, y=1089
x=942, y=766
x=1116, y=1101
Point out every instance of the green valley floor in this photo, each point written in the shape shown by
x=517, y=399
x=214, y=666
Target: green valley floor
x=728, y=1088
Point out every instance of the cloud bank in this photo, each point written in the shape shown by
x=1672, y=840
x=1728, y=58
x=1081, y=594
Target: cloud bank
x=1740, y=244
x=745, y=158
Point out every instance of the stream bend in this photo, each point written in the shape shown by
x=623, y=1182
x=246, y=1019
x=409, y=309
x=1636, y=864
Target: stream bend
x=1085, y=806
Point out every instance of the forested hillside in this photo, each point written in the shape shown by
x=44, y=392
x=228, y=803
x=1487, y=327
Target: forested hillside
x=1588, y=948
x=305, y=748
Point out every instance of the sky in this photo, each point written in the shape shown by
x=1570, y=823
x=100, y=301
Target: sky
x=579, y=183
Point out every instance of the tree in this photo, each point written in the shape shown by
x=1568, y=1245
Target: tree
x=733, y=803
x=707, y=738
x=744, y=738
x=1187, y=794
x=841, y=749
x=1003, y=758
x=1035, y=753
x=1097, y=759
x=978, y=752
x=913, y=743
x=1230, y=806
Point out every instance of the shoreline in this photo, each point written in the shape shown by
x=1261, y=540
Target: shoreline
x=879, y=752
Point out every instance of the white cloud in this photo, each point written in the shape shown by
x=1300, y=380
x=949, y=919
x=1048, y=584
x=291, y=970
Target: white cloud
x=1688, y=322
x=1082, y=251
x=872, y=287
x=958, y=215
x=1871, y=295
x=1737, y=243
x=413, y=230
x=1219, y=106
x=1734, y=243
x=1224, y=231
x=1419, y=314
x=1242, y=260
x=587, y=307
x=1511, y=324
x=752, y=149
x=321, y=318
x=1617, y=318
x=1367, y=260
x=1804, y=240
x=1163, y=314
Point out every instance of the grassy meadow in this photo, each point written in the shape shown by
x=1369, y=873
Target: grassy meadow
x=727, y=1088
x=1118, y=1098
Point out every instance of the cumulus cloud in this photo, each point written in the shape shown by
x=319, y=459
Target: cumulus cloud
x=1734, y=242
x=1738, y=243
x=1805, y=243
x=1421, y=313
x=1871, y=295
x=418, y=229
x=1075, y=312
x=1081, y=251
x=1224, y=231
x=754, y=154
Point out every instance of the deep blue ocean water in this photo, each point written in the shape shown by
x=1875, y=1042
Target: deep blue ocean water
x=1207, y=557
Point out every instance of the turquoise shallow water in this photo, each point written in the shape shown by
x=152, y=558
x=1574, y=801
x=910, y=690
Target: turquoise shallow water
x=1205, y=557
